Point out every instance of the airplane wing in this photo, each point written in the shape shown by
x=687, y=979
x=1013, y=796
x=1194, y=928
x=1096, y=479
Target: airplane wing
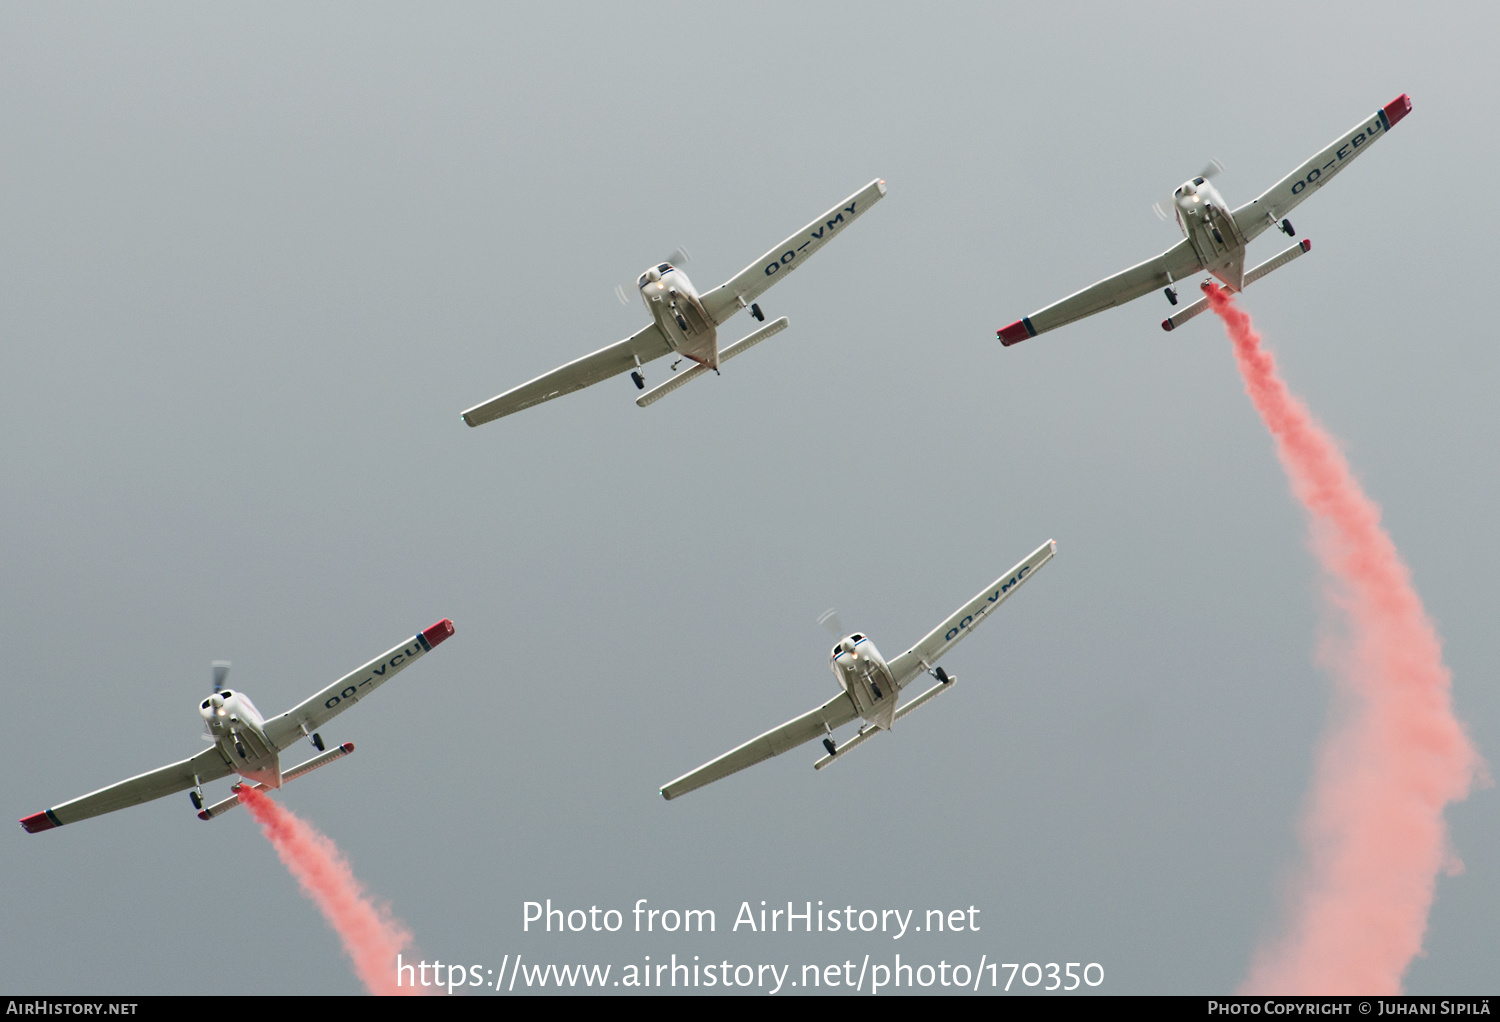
x=837, y=712
x=1254, y=217
x=645, y=344
x=311, y=714
x=208, y=765
x=948, y=634
x=1175, y=263
x=751, y=282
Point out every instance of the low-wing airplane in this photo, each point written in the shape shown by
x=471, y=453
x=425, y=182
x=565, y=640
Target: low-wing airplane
x=684, y=322
x=871, y=686
x=245, y=743
x=1215, y=237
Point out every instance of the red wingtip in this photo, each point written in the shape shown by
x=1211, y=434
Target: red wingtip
x=37, y=822
x=1307, y=244
x=1166, y=324
x=1013, y=334
x=438, y=632
x=348, y=747
x=203, y=815
x=1397, y=108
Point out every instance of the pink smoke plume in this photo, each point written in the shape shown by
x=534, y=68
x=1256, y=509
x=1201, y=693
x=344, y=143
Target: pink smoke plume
x=370, y=935
x=1392, y=757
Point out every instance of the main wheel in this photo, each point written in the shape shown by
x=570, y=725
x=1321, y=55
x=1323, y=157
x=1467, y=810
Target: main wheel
x=640, y=381
x=833, y=750
x=1171, y=296
x=317, y=741
x=197, y=802
x=1287, y=229
x=755, y=311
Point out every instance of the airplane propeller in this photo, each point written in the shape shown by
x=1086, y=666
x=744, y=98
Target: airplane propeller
x=679, y=256
x=1208, y=173
x=831, y=623
x=221, y=671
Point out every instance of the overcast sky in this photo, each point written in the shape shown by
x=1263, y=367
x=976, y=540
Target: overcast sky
x=255, y=259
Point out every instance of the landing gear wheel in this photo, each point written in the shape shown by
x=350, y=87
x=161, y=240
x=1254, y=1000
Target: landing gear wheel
x=876, y=689
x=755, y=311
x=317, y=741
x=1172, y=296
x=640, y=381
x=197, y=800
x=833, y=750
x=1218, y=237
x=1286, y=228
x=241, y=750
x=942, y=675
x=681, y=322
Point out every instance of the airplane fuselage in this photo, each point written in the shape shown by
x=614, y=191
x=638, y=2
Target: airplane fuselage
x=863, y=674
x=679, y=314
x=238, y=728
x=1210, y=228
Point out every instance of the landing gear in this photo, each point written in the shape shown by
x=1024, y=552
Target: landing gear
x=640, y=381
x=941, y=675
x=833, y=750
x=680, y=321
x=755, y=311
x=1286, y=228
x=197, y=800
x=1218, y=237
x=317, y=741
x=1171, y=296
x=676, y=364
x=240, y=748
x=876, y=689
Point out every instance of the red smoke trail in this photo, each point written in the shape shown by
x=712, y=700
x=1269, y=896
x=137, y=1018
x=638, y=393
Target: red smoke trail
x=1394, y=755
x=371, y=937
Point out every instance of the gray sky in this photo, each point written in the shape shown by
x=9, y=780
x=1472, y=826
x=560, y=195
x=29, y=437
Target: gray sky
x=254, y=261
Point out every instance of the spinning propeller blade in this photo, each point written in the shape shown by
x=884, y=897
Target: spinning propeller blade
x=680, y=256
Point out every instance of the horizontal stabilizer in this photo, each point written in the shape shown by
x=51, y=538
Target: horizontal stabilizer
x=921, y=700
x=338, y=752
x=1276, y=262
x=743, y=344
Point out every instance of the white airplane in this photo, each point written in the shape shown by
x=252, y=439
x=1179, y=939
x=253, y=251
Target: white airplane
x=245, y=743
x=1216, y=238
x=871, y=686
x=685, y=323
